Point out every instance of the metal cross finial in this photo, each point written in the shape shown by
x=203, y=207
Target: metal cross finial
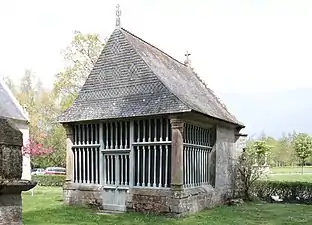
x=187, y=60
x=118, y=14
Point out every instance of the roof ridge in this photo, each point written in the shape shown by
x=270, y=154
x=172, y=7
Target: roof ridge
x=153, y=46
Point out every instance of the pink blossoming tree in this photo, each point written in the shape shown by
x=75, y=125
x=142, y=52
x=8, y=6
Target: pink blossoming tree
x=34, y=149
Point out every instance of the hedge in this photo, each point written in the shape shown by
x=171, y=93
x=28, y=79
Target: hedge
x=49, y=180
x=290, y=192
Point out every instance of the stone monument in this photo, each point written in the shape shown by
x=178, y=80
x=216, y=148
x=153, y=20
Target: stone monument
x=11, y=185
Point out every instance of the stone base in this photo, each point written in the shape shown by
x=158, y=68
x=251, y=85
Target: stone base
x=176, y=203
x=83, y=194
x=150, y=200
x=11, y=209
x=11, y=201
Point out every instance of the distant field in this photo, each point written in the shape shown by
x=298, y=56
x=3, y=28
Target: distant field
x=306, y=169
x=291, y=177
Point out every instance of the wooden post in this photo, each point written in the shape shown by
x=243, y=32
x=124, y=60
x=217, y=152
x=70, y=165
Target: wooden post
x=177, y=154
x=69, y=153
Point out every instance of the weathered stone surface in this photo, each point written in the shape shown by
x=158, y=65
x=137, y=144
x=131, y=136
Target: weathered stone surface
x=11, y=184
x=177, y=154
x=9, y=135
x=10, y=162
x=166, y=201
x=10, y=209
x=149, y=200
x=83, y=194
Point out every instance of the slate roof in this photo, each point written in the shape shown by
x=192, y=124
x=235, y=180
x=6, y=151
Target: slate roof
x=134, y=78
x=9, y=106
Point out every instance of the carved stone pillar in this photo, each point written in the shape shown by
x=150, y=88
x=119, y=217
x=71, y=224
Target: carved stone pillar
x=11, y=185
x=177, y=154
x=69, y=153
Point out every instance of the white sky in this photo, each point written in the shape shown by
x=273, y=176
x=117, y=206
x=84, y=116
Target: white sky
x=236, y=46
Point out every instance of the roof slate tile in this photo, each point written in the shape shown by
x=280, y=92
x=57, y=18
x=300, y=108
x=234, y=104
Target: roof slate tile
x=134, y=78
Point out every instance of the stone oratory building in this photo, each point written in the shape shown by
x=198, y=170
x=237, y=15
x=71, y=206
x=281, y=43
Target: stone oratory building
x=146, y=134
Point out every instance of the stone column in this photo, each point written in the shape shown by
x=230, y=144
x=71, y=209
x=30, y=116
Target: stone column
x=177, y=154
x=69, y=153
x=11, y=185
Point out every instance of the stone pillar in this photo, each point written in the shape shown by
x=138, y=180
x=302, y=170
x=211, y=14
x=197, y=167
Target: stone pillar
x=69, y=153
x=11, y=184
x=177, y=154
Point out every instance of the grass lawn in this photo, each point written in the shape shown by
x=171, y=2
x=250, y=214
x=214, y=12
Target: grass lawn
x=289, y=169
x=291, y=177
x=46, y=208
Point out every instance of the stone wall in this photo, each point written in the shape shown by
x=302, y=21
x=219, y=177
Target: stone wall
x=177, y=203
x=83, y=194
x=149, y=200
x=224, y=159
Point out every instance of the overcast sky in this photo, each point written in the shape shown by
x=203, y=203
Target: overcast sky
x=237, y=46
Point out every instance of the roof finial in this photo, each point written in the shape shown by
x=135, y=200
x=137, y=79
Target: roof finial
x=118, y=14
x=187, y=61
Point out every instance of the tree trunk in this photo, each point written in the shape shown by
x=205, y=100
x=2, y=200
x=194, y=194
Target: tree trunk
x=246, y=193
x=302, y=166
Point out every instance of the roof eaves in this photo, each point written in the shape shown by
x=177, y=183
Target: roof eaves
x=239, y=125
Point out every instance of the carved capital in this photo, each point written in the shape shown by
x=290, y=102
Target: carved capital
x=68, y=129
x=176, y=123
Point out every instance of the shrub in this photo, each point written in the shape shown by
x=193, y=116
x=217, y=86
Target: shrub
x=250, y=168
x=49, y=180
x=290, y=192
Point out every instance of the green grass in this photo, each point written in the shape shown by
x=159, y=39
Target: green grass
x=46, y=208
x=291, y=177
x=291, y=174
x=289, y=169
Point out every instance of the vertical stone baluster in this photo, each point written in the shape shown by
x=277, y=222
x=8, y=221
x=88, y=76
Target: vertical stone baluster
x=131, y=156
x=102, y=163
x=149, y=154
x=143, y=149
x=121, y=134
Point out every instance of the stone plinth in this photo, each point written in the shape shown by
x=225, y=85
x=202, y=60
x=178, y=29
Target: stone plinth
x=11, y=184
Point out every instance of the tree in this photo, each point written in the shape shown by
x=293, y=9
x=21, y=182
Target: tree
x=35, y=149
x=10, y=83
x=80, y=57
x=249, y=168
x=303, y=147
